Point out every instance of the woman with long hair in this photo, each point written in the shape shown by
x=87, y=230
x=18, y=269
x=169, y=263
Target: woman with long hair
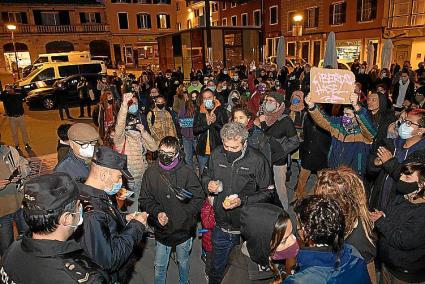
x=269, y=251
x=179, y=98
x=346, y=187
x=185, y=117
x=106, y=114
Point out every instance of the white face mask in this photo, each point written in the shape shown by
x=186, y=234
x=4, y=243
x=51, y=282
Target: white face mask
x=87, y=152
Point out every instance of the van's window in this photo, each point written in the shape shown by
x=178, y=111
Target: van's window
x=46, y=74
x=342, y=66
x=42, y=59
x=65, y=71
x=60, y=58
x=90, y=68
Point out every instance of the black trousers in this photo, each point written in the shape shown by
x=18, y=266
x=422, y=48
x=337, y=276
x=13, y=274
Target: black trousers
x=83, y=103
x=63, y=107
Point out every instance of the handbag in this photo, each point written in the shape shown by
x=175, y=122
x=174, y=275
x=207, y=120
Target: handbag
x=181, y=194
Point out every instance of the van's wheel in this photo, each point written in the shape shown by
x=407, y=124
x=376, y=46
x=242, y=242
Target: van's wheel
x=48, y=103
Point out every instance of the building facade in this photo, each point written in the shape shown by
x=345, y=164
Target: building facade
x=191, y=14
x=404, y=23
x=45, y=28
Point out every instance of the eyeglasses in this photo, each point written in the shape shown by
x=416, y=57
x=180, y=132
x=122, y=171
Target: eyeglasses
x=85, y=145
x=409, y=123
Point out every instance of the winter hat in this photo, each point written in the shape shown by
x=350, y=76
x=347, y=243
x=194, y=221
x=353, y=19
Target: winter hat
x=277, y=96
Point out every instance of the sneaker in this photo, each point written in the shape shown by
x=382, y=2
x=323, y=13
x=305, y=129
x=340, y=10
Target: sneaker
x=27, y=147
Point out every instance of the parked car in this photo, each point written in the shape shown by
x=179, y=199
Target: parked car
x=341, y=65
x=46, y=97
x=290, y=62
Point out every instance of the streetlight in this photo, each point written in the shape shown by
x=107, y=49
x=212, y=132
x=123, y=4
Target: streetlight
x=298, y=18
x=12, y=28
x=297, y=29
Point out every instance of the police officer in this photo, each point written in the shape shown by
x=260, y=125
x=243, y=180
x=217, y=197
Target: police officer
x=108, y=236
x=44, y=254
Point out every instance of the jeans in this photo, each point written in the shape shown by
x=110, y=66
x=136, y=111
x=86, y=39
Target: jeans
x=279, y=173
x=135, y=186
x=222, y=243
x=61, y=108
x=189, y=149
x=203, y=160
x=6, y=228
x=162, y=257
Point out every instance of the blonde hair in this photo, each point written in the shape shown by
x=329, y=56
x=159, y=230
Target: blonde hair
x=347, y=188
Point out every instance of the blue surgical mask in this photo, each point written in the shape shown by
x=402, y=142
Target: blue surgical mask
x=212, y=88
x=133, y=109
x=115, y=188
x=405, y=131
x=295, y=101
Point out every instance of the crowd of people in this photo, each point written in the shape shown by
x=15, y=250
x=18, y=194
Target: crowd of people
x=170, y=160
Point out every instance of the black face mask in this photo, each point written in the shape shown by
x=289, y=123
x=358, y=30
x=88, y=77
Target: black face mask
x=110, y=102
x=160, y=106
x=165, y=159
x=406, y=187
x=232, y=156
x=235, y=100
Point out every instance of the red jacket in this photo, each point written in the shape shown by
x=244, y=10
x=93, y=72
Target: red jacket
x=208, y=222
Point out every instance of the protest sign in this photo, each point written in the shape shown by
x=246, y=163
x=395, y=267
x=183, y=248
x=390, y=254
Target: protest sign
x=332, y=86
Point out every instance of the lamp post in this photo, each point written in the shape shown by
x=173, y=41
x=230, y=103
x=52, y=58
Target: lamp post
x=297, y=30
x=12, y=28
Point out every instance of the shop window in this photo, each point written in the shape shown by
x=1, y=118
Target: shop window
x=234, y=20
x=311, y=18
x=144, y=21
x=123, y=20
x=163, y=21
x=273, y=15
x=366, y=10
x=244, y=19
x=337, y=13
x=257, y=17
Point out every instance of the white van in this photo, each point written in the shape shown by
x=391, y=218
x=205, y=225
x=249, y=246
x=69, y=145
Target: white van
x=47, y=73
x=73, y=56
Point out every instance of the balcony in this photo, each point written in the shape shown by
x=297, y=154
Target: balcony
x=61, y=29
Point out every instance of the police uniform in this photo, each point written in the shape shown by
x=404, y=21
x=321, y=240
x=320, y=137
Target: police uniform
x=106, y=236
x=44, y=261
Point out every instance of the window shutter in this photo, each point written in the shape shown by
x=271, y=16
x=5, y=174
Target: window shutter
x=374, y=9
x=316, y=17
x=331, y=13
x=149, y=21
x=64, y=18
x=168, y=22
x=139, y=20
x=98, y=18
x=83, y=18
x=158, y=22
x=359, y=11
x=37, y=17
x=344, y=12
x=306, y=19
x=24, y=18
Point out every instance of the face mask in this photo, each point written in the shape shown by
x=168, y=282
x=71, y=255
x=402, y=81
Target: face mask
x=383, y=75
x=224, y=87
x=165, y=159
x=209, y=104
x=115, y=188
x=205, y=82
x=289, y=252
x=405, y=131
x=406, y=187
x=160, y=106
x=133, y=109
x=232, y=156
x=270, y=107
x=80, y=221
x=87, y=152
x=295, y=101
x=235, y=100
x=235, y=78
x=225, y=72
x=110, y=102
x=262, y=89
x=212, y=88
x=346, y=121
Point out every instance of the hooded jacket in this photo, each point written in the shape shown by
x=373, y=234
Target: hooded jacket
x=156, y=197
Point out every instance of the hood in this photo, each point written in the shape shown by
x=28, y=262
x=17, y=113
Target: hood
x=257, y=225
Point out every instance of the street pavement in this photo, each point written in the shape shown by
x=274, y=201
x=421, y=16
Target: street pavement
x=41, y=127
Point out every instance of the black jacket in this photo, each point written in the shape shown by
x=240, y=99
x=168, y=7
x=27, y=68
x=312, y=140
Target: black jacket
x=156, y=197
x=314, y=148
x=410, y=92
x=402, y=240
x=106, y=236
x=260, y=141
x=284, y=139
x=248, y=176
x=201, y=129
x=47, y=261
x=13, y=104
x=382, y=120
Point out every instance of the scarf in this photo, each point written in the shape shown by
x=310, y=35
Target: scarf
x=272, y=117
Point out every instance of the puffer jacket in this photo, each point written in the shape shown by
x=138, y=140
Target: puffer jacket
x=134, y=146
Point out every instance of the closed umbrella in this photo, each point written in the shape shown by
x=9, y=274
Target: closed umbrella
x=281, y=53
x=370, y=56
x=330, y=52
x=387, y=54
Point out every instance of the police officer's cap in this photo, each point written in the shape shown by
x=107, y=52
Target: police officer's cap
x=108, y=158
x=46, y=193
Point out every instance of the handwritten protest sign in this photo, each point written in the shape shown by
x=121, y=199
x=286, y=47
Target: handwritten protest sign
x=332, y=86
